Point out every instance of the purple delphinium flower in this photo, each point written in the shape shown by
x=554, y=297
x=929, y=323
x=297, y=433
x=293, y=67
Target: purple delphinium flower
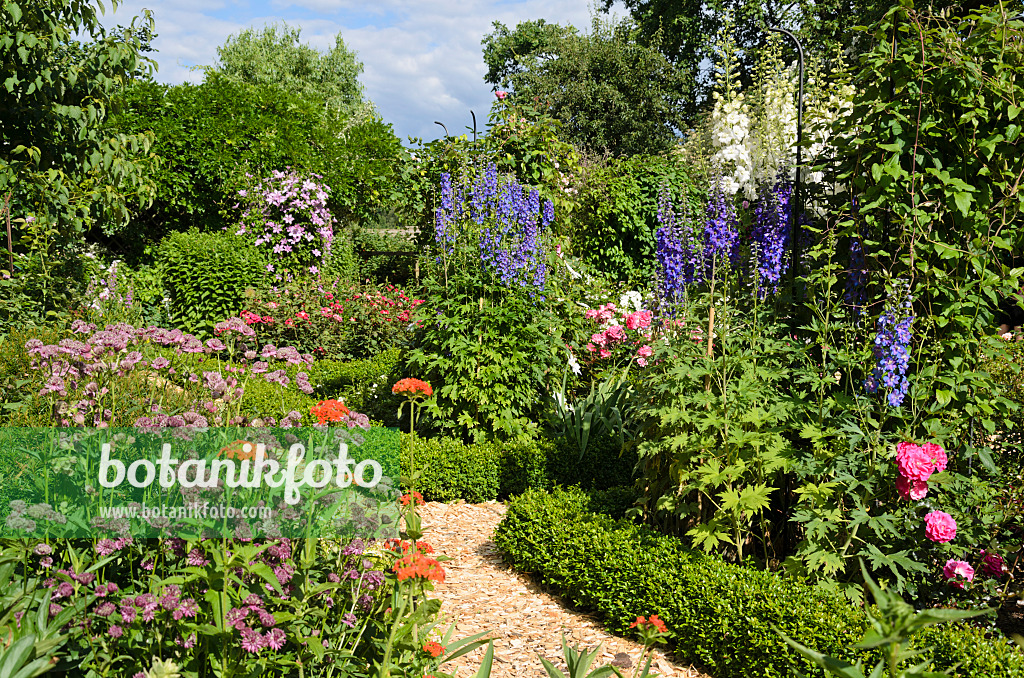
x=892, y=350
x=770, y=237
x=720, y=230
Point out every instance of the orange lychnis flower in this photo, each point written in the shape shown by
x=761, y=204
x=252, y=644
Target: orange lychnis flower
x=412, y=388
x=652, y=622
x=329, y=410
x=406, y=498
x=433, y=649
x=417, y=565
x=237, y=450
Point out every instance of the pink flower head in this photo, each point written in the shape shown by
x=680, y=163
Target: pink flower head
x=645, y=351
x=937, y=455
x=501, y=95
x=911, y=488
x=598, y=339
x=615, y=333
x=605, y=353
x=939, y=527
x=591, y=314
x=641, y=361
x=913, y=462
x=992, y=564
x=957, y=569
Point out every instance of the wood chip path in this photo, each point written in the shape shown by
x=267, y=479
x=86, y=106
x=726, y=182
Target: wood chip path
x=481, y=593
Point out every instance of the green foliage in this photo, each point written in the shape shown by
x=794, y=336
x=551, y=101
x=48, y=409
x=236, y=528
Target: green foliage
x=524, y=463
x=606, y=464
x=616, y=231
x=719, y=615
x=601, y=412
x=275, y=56
x=60, y=160
x=207, y=275
x=893, y=622
x=611, y=93
x=364, y=385
x=453, y=470
x=263, y=400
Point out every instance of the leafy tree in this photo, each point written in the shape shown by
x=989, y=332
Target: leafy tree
x=610, y=92
x=59, y=159
x=275, y=56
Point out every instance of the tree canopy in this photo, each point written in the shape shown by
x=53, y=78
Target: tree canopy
x=610, y=92
x=58, y=158
x=275, y=55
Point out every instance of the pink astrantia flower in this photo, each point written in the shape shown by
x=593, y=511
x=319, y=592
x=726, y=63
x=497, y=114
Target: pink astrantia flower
x=959, y=570
x=911, y=488
x=939, y=527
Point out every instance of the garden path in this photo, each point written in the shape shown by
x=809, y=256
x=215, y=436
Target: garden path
x=481, y=592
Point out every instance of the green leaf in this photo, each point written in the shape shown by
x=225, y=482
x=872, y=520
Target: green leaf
x=963, y=201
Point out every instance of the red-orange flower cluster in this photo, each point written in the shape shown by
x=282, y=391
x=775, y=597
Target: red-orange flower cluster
x=414, y=496
x=236, y=450
x=404, y=547
x=412, y=388
x=418, y=565
x=329, y=410
x=433, y=649
x=652, y=622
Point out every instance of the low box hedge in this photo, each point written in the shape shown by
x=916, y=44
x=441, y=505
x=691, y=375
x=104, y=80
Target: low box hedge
x=720, y=616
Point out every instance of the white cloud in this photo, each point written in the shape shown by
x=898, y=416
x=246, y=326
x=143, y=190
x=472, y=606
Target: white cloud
x=422, y=60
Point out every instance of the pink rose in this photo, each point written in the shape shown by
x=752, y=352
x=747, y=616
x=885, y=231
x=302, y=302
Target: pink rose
x=911, y=488
x=591, y=348
x=605, y=353
x=992, y=564
x=642, y=362
x=615, y=333
x=598, y=339
x=913, y=462
x=591, y=314
x=500, y=94
x=939, y=527
x=645, y=318
x=936, y=454
x=958, y=568
x=645, y=351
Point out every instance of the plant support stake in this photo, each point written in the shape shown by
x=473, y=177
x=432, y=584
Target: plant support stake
x=795, y=212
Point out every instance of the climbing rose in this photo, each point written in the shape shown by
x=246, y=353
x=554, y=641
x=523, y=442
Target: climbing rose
x=939, y=527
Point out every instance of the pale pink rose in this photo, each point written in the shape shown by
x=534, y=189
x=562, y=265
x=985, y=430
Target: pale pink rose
x=642, y=362
x=633, y=321
x=645, y=351
x=645, y=318
x=958, y=568
x=911, y=488
x=598, y=339
x=591, y=314
x=937, y=454
x=939, y=527
x=591, y=348
x=913, y=462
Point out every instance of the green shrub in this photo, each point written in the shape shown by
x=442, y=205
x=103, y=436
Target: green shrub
x=262, y=399
x=452, y=470
x=523, y=464
x=614, y=501
x=364, y=385
x=604, y=465
x=207, y=275
x=720, y=615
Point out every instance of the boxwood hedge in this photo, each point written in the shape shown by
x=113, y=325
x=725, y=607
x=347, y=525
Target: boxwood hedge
x=720, y=615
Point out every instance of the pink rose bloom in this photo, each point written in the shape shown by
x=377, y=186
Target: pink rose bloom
x=615, y=333
x=992, y=564
x=633, y=321
x=591, y=348
x=591, y=314
x=605, y=353
x=911, y=488
x=937, y=454
x=645, y=351
x=642, y=362
x=645, y=318
x=939, y=527
x=913, y=462
x=958, y=568
x=500, y=94
x=598, y=339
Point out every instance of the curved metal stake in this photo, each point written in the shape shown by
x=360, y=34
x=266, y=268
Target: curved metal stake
x=446, y=135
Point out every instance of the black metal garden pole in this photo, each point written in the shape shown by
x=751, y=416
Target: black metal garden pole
x=795, y=211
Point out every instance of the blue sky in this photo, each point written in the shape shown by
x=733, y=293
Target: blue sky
x=422, y=59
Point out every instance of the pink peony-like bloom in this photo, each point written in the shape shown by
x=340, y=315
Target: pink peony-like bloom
x=605, y=353
x=958, y=568
x=645, y=351
x=615, y=333
x=641, y=361
x=911, y=488
x=992, y=564
x=940, y=527
x=912, y=461
x=500, y=94
x=598, y=339
x=937, y=455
